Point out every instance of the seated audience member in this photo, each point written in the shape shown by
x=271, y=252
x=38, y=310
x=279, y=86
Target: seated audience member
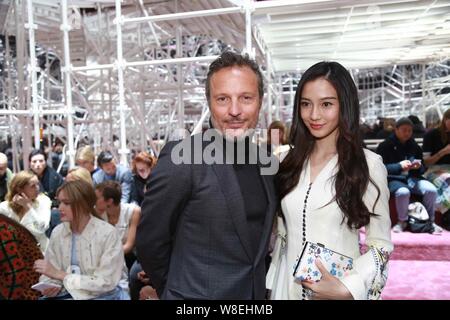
x=436, y=155
x=123, y=216
x=26, y=205
x=142, y=166
x=6, y=176
x=112, y=171
x=403, y=159
x=49, y=179
x=418, y=128
x=85, y=255
x=276, y=138
x=85, y=158
x=79, y=173
x=386, y=130
x=18, y=251
x=57, y=157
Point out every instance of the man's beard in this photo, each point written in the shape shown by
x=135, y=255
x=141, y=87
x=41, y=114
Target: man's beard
x=228, y=133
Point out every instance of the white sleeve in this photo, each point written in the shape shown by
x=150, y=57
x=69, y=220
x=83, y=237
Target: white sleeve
x=54, y=256
x=369, y=274
x=38, y=220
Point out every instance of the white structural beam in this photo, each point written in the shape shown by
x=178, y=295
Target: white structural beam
x=32, y=68
x=123, y=151
x=184, y=15
x=65, y=27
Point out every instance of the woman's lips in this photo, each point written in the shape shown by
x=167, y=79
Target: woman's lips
x=316, y=126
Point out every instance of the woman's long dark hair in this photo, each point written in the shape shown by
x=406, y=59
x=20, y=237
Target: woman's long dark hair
x=443, y=127
x=352, y=178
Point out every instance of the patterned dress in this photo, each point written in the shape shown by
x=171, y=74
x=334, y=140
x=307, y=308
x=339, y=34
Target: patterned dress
x=18, y=251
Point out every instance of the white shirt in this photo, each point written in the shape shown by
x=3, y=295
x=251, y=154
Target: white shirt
x=36, y=220
x=123, y=223
x=100, y=257
x=324, y=225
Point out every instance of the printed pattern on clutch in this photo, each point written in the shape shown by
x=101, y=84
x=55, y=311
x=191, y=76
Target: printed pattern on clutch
x=337, y=264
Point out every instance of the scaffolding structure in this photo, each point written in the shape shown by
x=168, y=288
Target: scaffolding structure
x=129, y=75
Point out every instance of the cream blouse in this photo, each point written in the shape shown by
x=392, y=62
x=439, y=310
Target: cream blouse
x=100, y=258
x=323, y=225
x=36, y=220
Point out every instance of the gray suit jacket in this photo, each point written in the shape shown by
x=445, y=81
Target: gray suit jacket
x=192, y=239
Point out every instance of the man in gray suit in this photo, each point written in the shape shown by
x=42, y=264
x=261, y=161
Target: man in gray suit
x=209, y=208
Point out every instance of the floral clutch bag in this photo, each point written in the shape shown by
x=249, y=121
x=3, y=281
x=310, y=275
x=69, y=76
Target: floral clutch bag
x=337, y=264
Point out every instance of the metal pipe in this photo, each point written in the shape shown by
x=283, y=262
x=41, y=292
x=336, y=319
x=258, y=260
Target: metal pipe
x=32, y=69
x=65, y=27
x=183, y=15
x=120, y=69
x=248, y=28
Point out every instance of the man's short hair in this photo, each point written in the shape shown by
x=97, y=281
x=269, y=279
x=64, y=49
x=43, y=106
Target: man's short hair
x=36, y=152
x=230, y=59
x=104, y=157
x=110, y=190
x=402, y=121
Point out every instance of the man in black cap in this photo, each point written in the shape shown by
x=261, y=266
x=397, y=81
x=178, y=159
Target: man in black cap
x=403, y=159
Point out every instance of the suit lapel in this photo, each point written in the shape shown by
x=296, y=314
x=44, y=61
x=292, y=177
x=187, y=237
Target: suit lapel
x=235, y=203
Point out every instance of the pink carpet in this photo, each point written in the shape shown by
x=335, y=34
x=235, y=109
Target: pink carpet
x=419, y=246
x=418, y=280
x=419, y=267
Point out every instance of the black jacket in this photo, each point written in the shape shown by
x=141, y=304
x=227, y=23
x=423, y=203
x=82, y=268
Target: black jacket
x=50, y=182
x=138, y=189
x=393, y=152
x=193, y=238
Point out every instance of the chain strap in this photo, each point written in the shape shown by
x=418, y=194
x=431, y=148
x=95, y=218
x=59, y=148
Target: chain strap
x=304, y=229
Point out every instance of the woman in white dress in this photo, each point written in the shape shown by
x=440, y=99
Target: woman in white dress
x=26, y=205
x=330, y=187
x=84, y=259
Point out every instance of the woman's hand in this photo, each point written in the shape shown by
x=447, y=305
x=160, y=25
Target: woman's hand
x=328, y=288
x=22, y=200
x=51, y=292
x=46, y=268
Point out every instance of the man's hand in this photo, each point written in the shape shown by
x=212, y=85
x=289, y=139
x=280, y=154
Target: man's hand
x=406, y=165
x=143, y=277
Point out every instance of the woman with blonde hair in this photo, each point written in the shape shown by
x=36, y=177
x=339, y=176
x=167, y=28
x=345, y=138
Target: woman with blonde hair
x=93, y=267
x=79, y=173
x=85, y=158
x=25, y=204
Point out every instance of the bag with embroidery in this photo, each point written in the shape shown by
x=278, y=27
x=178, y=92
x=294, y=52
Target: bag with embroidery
x=336, y=263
